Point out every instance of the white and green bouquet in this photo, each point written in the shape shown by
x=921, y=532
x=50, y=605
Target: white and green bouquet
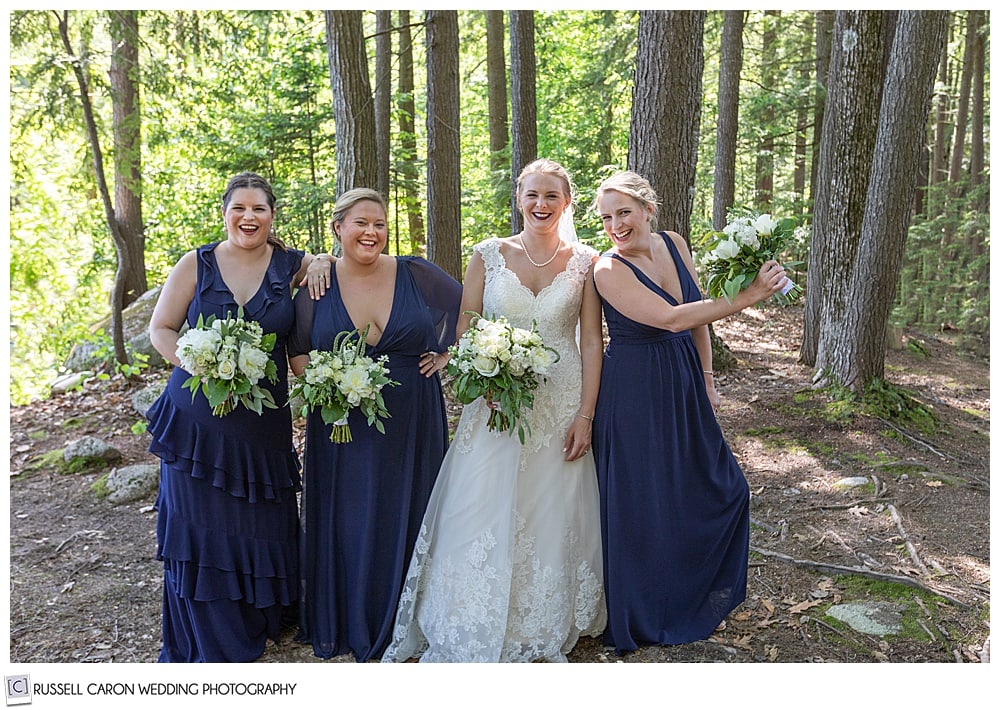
x=341, y=379
x=735, y=255
x=493, y=359
x=226, y=358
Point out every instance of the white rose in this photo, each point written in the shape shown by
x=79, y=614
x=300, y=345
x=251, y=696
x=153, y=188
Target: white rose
x=765, y=224
x=227, y=369
x=485, y=366
x=726, y=249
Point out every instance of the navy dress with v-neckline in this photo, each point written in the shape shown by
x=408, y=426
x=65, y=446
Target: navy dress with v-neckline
x=674, y=501
x=363, y=501
x=227, y=508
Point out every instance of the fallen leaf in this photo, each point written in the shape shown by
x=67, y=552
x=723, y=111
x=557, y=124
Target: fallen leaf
x=933, y=484
x=802, y=606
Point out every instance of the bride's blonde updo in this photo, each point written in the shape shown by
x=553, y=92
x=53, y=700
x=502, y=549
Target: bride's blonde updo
x=635, y=186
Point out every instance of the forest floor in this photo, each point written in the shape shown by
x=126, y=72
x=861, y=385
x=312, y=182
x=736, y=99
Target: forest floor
x=85, y=587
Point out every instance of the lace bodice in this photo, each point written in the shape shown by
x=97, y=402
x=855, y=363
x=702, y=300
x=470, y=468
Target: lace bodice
x=556, y=312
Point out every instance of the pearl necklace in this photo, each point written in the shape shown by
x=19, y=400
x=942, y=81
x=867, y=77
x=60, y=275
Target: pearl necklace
x=533, y=262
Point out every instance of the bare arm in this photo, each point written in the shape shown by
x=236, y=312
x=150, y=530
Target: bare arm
x=472, y=300
x=473, y=288
x=298, y=363
x=578, y=436
x=622, y=290
x=171, y=307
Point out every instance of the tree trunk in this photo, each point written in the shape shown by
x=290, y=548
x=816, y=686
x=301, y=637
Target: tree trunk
x=859, y=356
x=727, y=130
x=126, y=125
x=496, y=79
x=523, y=107
x=976, y=137
x=408, y=139
x=765, y=145
x=444, y=183
x=854, y=92
x=353, y=110
x=383, y=91
x=118, y=290
x=962, y=117
x=801, y=129
x=824, y=34
x=939, y=158
x=666, y=109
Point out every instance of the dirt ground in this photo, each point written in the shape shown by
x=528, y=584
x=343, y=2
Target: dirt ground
x=85, y=587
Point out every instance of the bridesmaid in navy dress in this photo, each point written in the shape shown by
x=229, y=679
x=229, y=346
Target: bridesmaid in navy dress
x=674, y=502
x=227, y=509
x=363, y=501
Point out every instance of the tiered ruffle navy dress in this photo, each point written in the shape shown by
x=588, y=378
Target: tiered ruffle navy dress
x=674, y=502
x=227, y=526
x=363, y=501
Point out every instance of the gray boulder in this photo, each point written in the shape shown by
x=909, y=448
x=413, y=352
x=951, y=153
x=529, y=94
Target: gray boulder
x=144, y=398
x=130, y=483
x=135, y=328
x=91, y=448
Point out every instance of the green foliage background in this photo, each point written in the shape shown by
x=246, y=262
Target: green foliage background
x=226, y=91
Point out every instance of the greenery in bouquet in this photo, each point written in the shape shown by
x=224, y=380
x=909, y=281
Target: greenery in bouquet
x=341, y=379
x=733, y=257
x=226, y=358
x=502, y=363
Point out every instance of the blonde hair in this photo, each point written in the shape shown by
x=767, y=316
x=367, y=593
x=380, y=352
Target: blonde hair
x=544, y=166
x=352, y=197
x=633, y=185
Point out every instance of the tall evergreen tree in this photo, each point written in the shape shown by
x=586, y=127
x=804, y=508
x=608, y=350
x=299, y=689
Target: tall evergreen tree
x=852, y=346
x=406, y=110
x=353, y=109
x=727, y=129
x=524, y=108
x=854, y=93
x=444, y=177
x=666, y=109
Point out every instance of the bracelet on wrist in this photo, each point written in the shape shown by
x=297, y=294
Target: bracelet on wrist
x=584, y=416
x=709, y=372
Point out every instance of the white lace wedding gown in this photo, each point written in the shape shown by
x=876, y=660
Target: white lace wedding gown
x=507, y=566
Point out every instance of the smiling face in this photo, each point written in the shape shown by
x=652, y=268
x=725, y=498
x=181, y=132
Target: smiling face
x=248, y=215
x=542, y=199
x=625, y=218
x=363, y=231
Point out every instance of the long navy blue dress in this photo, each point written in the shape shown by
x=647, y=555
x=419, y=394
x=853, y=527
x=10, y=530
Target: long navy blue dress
x=674, y=502
x=227, y=507
x=363, y=501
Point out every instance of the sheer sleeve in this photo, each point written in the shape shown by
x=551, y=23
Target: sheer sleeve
x=443, y=296
x=300, y=339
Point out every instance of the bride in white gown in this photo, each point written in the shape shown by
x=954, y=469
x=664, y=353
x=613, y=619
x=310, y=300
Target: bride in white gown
x=507, y=566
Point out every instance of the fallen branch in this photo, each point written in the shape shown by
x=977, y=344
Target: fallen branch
x=906, y=540
x=844, y=506
x=764, y=526
x=914, y=439
x=840, y=569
